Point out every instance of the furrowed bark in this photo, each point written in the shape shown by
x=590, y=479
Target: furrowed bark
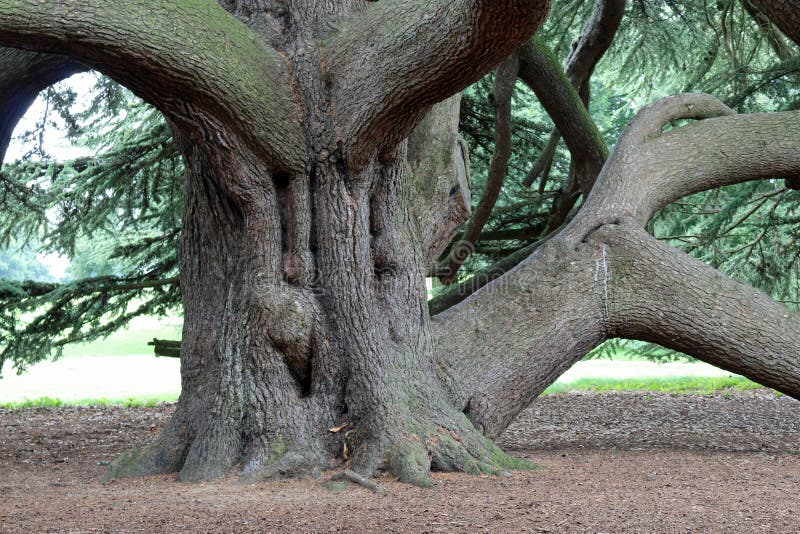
x=389, y=65
x=305, y=305
x=248, y=335
x=503, y=90
x=785, y=14
x=24, y=76
x=228, y=78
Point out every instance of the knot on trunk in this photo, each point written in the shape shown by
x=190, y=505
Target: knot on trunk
x=292, y=322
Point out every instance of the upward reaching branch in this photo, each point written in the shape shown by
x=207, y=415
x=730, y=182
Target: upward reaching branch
x=650, y=169
x=192, y=60
x=596, y=36
x=396, y=60
x=505, y=80
x=540, y=71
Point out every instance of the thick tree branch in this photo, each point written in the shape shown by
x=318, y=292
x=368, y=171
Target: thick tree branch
x=648, y=169
x=392, y=63
x=567, y=297
x=596, y=37
x=660, y=295
x=604, y=276
x=785, y=14
x=774, y=37
x=540, y=71
x=23, y=75
x=545, y=78
x=503, y=90
x=195, y=62
x=502, y=346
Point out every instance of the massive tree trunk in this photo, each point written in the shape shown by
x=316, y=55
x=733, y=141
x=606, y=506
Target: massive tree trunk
x=302, y=268
x=322, y=182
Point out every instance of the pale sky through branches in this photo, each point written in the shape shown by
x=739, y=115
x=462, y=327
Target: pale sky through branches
x=55, y=143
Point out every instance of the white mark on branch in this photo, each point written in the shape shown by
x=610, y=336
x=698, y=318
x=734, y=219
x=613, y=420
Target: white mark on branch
x=596, y=271
x=598, y=264
x=605, y=282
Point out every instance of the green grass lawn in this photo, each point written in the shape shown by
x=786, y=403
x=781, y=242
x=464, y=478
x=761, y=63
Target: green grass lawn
x=130, y=402
x=133, y=342
x=672, y=384
x=676, y=385
x=130, y=341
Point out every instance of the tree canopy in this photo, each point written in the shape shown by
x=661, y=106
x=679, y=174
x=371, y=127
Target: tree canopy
x=117, y=213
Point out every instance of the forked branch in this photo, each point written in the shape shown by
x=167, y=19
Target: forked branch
x=392, y=63
x=552, y=88
x=604, y=276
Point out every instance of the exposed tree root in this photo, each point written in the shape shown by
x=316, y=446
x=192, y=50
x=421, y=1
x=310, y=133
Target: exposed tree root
x=292, y=464
x=454, y=448
x=163, y=455
x=213, y=452
x=354, y=477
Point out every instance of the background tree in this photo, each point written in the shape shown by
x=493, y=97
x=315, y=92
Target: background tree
x=309, y=223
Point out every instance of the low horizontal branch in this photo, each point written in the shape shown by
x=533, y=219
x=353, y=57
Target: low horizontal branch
x=166, y=348
x=32, y=289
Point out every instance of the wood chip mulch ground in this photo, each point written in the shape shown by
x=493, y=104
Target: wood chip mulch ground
x=612, y=462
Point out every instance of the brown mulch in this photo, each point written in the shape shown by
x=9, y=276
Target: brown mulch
x=628, y=462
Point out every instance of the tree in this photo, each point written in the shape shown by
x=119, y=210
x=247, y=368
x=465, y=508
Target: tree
x=19, y=263
x=325, y=177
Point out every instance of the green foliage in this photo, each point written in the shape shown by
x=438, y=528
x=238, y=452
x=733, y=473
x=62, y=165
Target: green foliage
x=147, y=401
x=676, y=385
x=115, y=214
